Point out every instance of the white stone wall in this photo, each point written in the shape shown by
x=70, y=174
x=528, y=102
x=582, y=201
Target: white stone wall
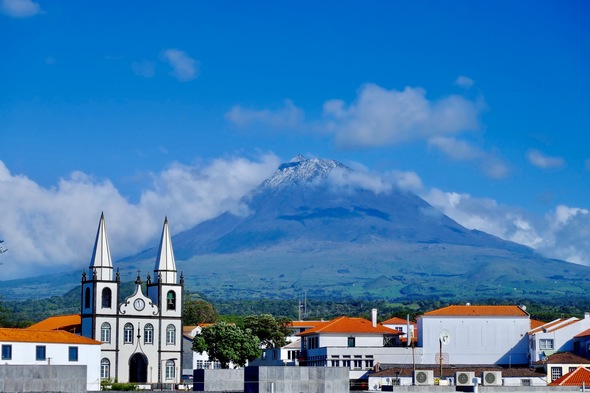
x=24, y=353
x=475, y=340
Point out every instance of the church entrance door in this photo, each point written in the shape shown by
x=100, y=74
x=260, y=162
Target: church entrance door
x=138, y=368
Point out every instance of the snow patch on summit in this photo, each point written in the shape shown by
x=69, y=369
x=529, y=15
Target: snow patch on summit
x=301, y=170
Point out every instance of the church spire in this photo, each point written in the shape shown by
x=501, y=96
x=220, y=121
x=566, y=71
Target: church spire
x=101, y=263
x=165, y=265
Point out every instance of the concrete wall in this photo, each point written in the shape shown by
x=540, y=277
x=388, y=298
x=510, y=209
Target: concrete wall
x=296, y=379
x=30, y=378
x=218, y=380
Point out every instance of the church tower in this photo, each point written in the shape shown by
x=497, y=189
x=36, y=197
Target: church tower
x=142, y=335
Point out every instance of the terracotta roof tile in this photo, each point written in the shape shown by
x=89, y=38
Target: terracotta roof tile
x=562, y=358
x=350, y=325
x=535, y=323
x=397, y=321
x=583, y=334
x=554, y=325
x=579, y=376
x=59, y=322
x=43, y=336
x=479, y=311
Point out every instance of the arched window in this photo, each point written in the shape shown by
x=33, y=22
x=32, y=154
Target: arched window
x=171, y=300
x=106, y=298
x=87, y=298
x=148, y=334
x=128, y=333
x=105, y=332
x=105, y=368
x=170, y=374
x=170, y=335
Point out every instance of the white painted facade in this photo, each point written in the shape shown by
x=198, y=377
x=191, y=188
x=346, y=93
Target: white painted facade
x=141, y=335
x=25, y=353
x=556, y=336
x=474, y=339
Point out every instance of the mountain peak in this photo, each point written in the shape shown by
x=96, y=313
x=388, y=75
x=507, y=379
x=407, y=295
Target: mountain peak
x=301, y=170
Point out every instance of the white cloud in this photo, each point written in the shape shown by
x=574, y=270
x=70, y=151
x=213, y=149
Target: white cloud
x=20, y=8
x=184, y=68
x=145, y=68
x=286, y=117
x=459, y=150
x=363, y=178
x=561, y=233
x=543, y=161
x=456, y=149
x=386, y=117
x=464, y=81
x=55, y=227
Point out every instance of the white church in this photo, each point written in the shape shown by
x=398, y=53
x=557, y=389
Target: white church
x=141, y=335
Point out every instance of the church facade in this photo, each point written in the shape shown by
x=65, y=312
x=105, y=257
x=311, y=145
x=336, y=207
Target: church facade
x=141, y=335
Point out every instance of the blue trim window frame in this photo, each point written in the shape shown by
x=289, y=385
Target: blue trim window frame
x=40, y=353
x=6, y=352
x=73, y=354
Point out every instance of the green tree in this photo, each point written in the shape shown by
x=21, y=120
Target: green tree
x=227, y=343
x=198, y=311
x=271, y=332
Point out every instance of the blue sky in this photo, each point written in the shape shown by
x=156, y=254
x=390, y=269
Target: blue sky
x=147, y=109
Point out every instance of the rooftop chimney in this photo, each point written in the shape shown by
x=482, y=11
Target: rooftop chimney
x=374, y=317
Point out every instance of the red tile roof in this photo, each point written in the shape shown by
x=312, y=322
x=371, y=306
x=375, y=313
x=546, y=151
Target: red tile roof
x=307, y=324
x=479, y=311
x=43, y=336
x=583, y=334
x=397, y=321
x=350, y=325
x=554, y=325
x=536, y=323
x=562, y=358
x=579, y=376
x=70, y=322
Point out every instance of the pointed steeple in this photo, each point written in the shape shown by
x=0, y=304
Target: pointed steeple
x=165, y=265
x=101, y=264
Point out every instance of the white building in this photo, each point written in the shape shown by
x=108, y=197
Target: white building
x=403, y=326
x=355, y=343
x=474, y=335
x=556, y=336
x=52, y=347
x=142, y=335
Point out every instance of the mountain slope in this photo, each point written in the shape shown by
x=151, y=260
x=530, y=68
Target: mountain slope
x=310, y=230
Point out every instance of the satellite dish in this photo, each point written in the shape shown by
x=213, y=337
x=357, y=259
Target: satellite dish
x=444, y=337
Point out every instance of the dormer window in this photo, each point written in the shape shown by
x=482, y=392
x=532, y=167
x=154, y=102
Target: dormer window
x=171, y=301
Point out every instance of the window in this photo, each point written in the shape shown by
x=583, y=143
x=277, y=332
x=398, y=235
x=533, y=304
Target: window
x=351, y=342
x=106, y=298
x=148, y=334
x=358, y=362
x=369, y=361
x=6, y=352
x=128, y=333
x=170, y=335
x=555, y=373
x=170, y=369
x=346, y=361
x=171, y=301
x=572, y=369
x=73, y=354
x=105, y=332
x=545, y=343
x=105, y=368
x=525, y=382
x=87, y=298
x=389, y=341
x=40, y=352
